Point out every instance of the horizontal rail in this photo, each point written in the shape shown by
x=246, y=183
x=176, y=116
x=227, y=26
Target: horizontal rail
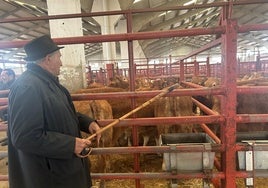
x=166, y=175
x=130, y=11
x=3, y=127
x=157, y=149
x=3, y=154
x=163, y=175
x=251, y=118
x=167, y=120
x=189, y=147
x=138, y=36
x=246, y=147
x=177, y=92
x=146, y=94
x=123, y=37
x=3, y=177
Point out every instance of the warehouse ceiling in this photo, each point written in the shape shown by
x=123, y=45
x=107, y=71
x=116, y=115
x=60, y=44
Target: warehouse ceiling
x=142, y=22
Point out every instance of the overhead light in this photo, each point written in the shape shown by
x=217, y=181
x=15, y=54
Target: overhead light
x=136, y=1
x=189, y=2
x=164, y=13
x=91, y=23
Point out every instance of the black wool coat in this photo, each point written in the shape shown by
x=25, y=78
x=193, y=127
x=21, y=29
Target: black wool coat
x=42, y=126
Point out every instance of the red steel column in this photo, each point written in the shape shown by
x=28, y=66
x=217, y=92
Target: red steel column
x=182, y=78
x=228, y=129
x=89, y=75
x=258, y=64
x=170, y=66
x=110, y=71
x=133, y=100
x=196, y=68
x=208, y=69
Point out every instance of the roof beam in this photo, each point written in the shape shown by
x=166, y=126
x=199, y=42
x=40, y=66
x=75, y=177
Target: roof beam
x=253, y=38
x=8, y=55
x=142, y=19
x=40, y=4
x=86, y=5
x=6, y=14
x=255, y=13
x=125, y=4
x=148, y=42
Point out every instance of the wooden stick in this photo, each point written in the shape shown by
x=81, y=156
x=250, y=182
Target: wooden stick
x=164, y=92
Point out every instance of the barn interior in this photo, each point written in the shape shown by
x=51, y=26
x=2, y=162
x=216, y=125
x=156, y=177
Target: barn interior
x=207, y=61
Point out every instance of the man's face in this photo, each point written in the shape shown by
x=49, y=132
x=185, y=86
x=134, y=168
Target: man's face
x=55, y=63
x=5, y=77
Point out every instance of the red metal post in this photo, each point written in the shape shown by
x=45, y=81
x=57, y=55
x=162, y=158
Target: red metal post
x=228, y=104
x=110, y=71
x=182, y=78
x=170, y=65
x=258, y=64
x=196, y=68
x=101, y=76
x=208, y=68
x=133, y=101
x=147, y=66
x=89, y=76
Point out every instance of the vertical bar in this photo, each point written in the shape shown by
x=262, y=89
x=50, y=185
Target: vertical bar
x=239, y=72
x=110, y=70
x=182, y=71
x=135, y=71
x=208, y=69
x=258, y=64
x=133, y=101
x=170, y=65
x=196, y=68
x=147, y=68
x=228, y=103
x=89, y=75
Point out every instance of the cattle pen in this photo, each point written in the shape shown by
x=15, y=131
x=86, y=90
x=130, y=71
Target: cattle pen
x=226, y=172
x=143, y=69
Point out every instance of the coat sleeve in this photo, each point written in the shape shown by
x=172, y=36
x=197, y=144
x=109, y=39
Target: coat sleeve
x=27, y=126
x=84, y=122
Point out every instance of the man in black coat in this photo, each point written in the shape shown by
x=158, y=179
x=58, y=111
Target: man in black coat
x=43, y=126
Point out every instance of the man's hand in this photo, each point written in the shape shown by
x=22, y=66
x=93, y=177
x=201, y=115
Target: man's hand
x=80, y=145
x=94, y=128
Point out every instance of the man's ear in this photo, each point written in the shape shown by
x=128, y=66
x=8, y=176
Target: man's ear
x=47, y=59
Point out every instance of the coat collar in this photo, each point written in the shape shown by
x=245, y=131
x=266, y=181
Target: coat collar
x=47, y=77
x=41, y=73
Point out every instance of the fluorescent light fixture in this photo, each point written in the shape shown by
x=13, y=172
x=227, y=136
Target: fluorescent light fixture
x=136, y=1
x=164, y=13
x=91, y=23
x=189, y=2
